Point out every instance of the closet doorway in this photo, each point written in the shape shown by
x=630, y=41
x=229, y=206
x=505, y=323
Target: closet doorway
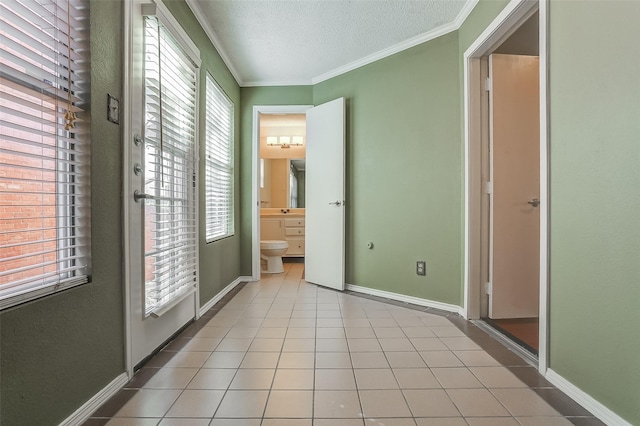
x=506, y=188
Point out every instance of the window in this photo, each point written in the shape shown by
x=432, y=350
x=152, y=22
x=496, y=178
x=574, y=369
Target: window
x=44, y=148
x=219, y=163
x=169, y=168
x=293, y=187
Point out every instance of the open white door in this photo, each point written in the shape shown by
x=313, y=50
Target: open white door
x=515, y=169
x=325, y=210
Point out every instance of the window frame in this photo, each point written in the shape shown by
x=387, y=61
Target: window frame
x=209, y=165
x=71, y=148
x=175, y=291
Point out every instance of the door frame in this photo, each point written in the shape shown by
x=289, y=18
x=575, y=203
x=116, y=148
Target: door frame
x=511, y=17
x=130, y=103
x=255, y=175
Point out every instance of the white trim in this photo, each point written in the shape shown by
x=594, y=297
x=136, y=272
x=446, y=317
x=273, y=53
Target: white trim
x=381, y=54
x=545, y=211
x=404, y=298
x=275, y=83
x=502, y=27
x=206, y=26
x=215, y=299
x=88, y=408
x=392, y=50
x=159, y=10
x=126, y=181
x=585, y=400
x=178, y=298
x=465, y=12
x=255, y=181
x=397, y=48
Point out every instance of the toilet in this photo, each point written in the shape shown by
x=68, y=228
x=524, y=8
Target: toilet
x=271, y=252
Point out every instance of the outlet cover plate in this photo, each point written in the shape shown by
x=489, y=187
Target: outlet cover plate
x=421, y=267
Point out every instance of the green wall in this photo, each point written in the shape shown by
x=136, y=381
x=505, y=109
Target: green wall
x=60, y=350
x=404, y=169
x=404, y=188
x=250, y=97
x=595, y=200
x=219, y=260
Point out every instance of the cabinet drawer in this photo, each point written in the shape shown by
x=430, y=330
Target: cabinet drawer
x=294, y=223
x=296, y=246
x=293, y=231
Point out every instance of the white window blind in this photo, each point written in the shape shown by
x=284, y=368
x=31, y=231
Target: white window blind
x=44, y=148
x=170, y=169
x=219, y=164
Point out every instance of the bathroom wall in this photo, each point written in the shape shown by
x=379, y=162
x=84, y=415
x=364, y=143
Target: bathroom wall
x=279, y=182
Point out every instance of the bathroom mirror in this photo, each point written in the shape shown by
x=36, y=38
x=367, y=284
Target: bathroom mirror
x=282, y=182
x=282, y=160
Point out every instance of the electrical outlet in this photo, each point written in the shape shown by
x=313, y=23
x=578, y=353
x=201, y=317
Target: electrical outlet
x=421, y=267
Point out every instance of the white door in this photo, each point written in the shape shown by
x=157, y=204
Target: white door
x=325, y=185
x=515, y=168
x=160, y=232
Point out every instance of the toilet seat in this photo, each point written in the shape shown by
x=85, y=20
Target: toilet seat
x=273, y=244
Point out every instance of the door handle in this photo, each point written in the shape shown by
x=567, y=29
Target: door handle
x=336, y=203
x=534, y=202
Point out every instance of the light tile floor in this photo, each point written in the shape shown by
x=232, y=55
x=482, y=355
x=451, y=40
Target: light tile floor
x=282, y=352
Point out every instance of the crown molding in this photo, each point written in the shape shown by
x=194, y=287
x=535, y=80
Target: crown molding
x=397, y=48
x=197, y=11
x=407, y=44
x=465, y=12
x=274, y=83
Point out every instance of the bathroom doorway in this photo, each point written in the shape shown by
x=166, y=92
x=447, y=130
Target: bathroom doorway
x=316, y=231
x=282, y=171
x=506, y=188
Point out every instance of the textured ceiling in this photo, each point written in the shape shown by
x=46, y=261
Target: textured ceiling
x=273, y=42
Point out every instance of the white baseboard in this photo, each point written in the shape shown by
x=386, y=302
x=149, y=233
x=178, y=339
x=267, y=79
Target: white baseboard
x=587, y=401
x=215, y=299
x=407, y=299
x=86, y=410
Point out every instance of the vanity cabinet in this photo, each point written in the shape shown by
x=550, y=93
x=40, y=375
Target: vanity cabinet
x=294, y=234
x=287, y=229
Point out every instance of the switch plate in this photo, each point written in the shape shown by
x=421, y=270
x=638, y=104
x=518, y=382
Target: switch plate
x=421, y=267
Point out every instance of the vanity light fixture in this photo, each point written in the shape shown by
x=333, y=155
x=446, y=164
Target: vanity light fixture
x=285, y=141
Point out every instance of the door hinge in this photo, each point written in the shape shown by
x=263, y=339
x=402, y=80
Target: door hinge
x=488, y=288
x=487, y=84
x=488, y=187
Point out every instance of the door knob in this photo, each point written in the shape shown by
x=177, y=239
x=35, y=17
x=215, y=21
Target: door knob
x=336, y=203
x=534, y=202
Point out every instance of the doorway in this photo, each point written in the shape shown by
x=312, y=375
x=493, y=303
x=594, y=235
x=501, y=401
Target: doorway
x=282, y=170
x=261, y=189
x=513, y=215
x=506, y=186
x=319, y=227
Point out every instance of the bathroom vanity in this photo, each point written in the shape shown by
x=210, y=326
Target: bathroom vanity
x=287, y=227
